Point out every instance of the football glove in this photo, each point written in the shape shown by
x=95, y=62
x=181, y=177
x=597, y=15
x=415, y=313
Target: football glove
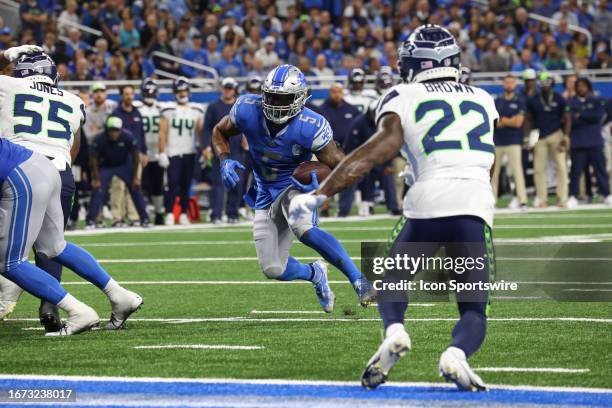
x=163, y=160
x=15, y=52
x=228, y=173
x=307, y=188
x=304, y=204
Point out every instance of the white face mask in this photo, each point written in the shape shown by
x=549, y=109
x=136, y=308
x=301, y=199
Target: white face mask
x=182, y=99
x=149, y=101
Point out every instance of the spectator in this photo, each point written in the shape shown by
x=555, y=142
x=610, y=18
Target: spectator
x=337, y=112
x=230, y=25
x=68, y=18
x=215, y=112
x=602, y=57
x=546, y=8
x=74, y=42
x=321, y=69
x=526, y=62
x=129, y=36
x=548, y=112
x=602, y=23
x=212, y=53
x=196, y=54
x=257, y=68
x=162, y=45
x=149, y=31
x=181, y=43
x=81, y=72
x=114, y=153
x=565, y=13
x=33, y=17
x=493, y=60
x=587, y=145
x=229, y=66
x=508, y=138
x=267, y=55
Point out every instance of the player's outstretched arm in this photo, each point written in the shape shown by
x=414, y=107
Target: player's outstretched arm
x=381, y=147
x=331, y=155
x=11, y=54
x=220, y=137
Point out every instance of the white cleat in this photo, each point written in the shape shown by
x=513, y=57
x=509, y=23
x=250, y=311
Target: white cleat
x=169, y=219
x=454, y=367
x=184, y=220
x=608, y=201
x=393, y=348
x=122, y=309
x=80, y=321
x=571, y=202
x=9, y=295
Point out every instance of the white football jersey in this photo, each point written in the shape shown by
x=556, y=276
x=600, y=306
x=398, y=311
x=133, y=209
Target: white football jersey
x=448, y=139
x=41, y=117
x=182, y=121
x=361, y=100
x=150, y=123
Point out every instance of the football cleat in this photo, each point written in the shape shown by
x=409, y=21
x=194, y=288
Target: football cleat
x=122, y=309
x=49, y=317
x=388, y=354
x=9, y=295
x=324, y=292
x=454, y=367
x=365, y=291
x=83, y=320
x=169, y=219
x=183, y=219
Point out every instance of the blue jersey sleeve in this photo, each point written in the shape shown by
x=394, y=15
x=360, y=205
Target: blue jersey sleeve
x=242, y=110
x=316, y=131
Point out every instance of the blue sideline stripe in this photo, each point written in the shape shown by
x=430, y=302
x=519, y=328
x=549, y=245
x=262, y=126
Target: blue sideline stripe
x=414, y=393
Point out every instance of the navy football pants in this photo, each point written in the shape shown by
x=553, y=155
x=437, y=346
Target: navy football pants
x=180, y=175
x=581, y=158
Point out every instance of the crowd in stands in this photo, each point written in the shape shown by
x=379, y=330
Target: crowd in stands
x=321, y=37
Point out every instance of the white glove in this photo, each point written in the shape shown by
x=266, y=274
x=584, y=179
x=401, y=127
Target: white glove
x=15, y=52
x=163, y=160
x=303, y=204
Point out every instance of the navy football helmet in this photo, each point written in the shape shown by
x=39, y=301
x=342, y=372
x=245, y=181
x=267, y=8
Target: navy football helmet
x=466, y=75
x=181, y=84
x=356, y=80
x=384, y=79
x=253, y=84
x=37, y=64
x=430, y=52
x=148, y=91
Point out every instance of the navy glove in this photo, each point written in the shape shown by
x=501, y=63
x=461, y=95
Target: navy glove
x=228, y=173
x=307, y=188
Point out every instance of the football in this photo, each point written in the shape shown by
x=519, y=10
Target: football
x=302, y=172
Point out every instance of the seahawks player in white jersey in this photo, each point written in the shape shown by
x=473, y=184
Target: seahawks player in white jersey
x=180, y=127
x=447, y=130
x=356, y=94
x=36, y=114
x=153, y=177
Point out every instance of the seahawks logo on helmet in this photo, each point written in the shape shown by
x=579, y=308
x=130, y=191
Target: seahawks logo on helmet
x=148, y=91
x=178, y=85
x=430, y=52
x=38, y=65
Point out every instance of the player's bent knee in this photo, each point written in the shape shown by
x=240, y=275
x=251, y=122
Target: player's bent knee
x=272, y=271
x=300, y=229
x=51, y=250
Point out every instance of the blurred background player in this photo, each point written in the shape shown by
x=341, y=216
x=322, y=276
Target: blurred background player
x=451, y=200
x=114, y=153
x=508, y=139
x=214, y=113
x=153, y=173
x=30, y=101
x=180, y=131
x=356, y=94
x=282, y=133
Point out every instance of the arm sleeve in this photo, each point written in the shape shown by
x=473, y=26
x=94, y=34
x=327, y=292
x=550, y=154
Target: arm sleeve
x=238, y=111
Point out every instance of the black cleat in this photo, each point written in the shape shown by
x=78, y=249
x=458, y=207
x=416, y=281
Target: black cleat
x=49, y=317
x=160, y=219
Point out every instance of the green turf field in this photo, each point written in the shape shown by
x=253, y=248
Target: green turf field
x=227, y=301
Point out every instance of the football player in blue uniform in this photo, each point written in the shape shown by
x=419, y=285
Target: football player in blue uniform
x=282, y=133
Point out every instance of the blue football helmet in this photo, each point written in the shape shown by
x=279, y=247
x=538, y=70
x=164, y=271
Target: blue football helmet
x=148, y=91
x=285, y=92
x=37, y=64
x=430, y=52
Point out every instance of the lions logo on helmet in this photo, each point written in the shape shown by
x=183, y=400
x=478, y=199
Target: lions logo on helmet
x=148, y=91
x=285, y=92
x=430, y=52
x=179, y=86
x=38, y=65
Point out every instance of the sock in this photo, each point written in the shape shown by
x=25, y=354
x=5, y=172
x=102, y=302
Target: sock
x=52, y=268
x=70, y=304
x=332, y=251
x=36, y=282
x=392, y=312
x=83, y=264
x=469, y=332
x=297, y=270
x=158, y=203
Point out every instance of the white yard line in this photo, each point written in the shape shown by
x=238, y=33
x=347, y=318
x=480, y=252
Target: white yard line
x=533, y=370
x=199, y=346
x=78, y=378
